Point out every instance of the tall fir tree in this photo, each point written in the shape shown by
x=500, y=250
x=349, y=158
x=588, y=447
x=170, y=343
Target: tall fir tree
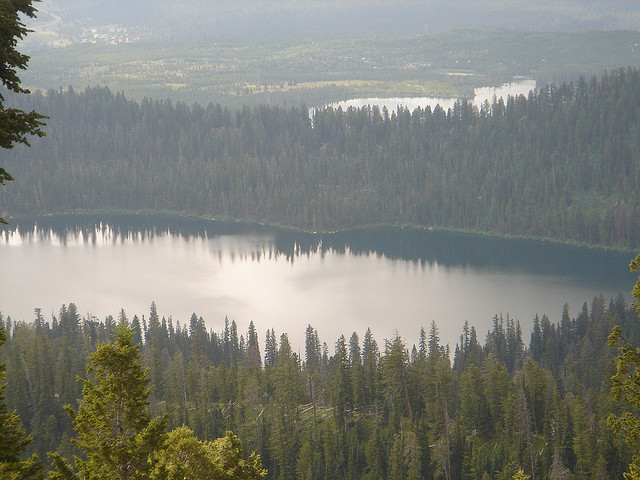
x=114, y=427
x=626, y=385
x=13, y=440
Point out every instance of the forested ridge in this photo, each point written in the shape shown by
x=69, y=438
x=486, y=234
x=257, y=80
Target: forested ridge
x=355, y=408
x=562, y=163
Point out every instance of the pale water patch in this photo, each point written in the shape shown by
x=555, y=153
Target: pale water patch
x=388, y=280
x=393, y=103
x=520, y=87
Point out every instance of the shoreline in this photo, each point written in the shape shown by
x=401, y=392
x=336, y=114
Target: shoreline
x=363, y=227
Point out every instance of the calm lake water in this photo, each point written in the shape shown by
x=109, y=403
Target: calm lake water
x=389, y=280
x=520, y=87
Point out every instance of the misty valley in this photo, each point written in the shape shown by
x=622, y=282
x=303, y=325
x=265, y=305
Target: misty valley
x=319, y=240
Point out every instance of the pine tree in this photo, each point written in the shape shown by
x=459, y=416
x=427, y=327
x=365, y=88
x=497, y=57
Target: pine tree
x=423, y=346
x=253, y=358
x=626, y=383
x=270, y=348
x=435, y=349
x=370, y=356
x=397, y=467
x=13, y=440
x=340, y=385
x=520, y=475
x=313, y=354
x=226, y=454
x=285, y=410
x=184, y=456
x=114, y=427
x=357, y=377
x=137, y=330
x=394, y=376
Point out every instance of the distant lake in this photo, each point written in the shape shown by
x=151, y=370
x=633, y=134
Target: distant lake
x=519, y=87
x=387, y=279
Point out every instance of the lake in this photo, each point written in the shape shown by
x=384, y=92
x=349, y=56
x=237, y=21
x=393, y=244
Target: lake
x=392, y=280
x=522, y=86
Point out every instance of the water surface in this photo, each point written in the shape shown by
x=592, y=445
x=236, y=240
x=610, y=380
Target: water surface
x=520, y=87
x=387, y=279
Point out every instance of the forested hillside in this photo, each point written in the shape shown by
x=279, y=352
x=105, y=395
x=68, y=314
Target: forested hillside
x=562, y=163
x=354, y=408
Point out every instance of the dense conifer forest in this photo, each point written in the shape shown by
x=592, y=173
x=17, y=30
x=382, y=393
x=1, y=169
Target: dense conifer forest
x=561, y=163
x=357, y=407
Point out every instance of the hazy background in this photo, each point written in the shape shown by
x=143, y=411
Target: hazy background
x=290, y=53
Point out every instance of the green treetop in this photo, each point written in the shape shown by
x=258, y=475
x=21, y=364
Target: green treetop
x=115, y=429
x=13, y=440
x=626, y=386
x=184, y=456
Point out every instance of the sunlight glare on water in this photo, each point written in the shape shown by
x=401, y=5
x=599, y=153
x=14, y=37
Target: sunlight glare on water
x=349, y=283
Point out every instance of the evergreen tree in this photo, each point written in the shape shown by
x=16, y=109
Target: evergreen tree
x=394, y=377
x=137, y=330
x=370, y=356
x=435, y=349
x=423, y=347
x=184, y=456
x=270, y=348
x=340, y=384
x=357, y=377
x=313, y=354
x=252, y=354
x=285, y=411
x=626, y=385
x=13, y=440
x=114, y=427
x=226, y=454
